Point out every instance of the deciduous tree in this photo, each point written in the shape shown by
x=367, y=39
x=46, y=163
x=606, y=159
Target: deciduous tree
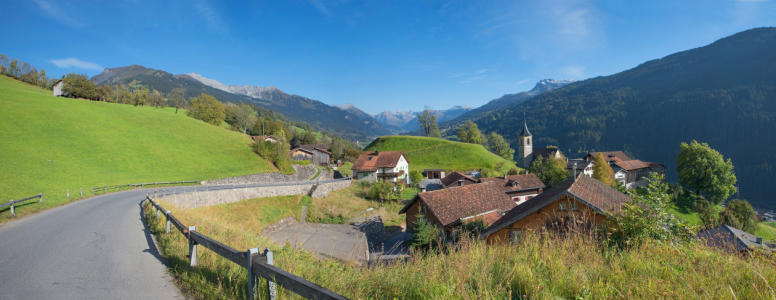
x=550, y=171
x=468, y=133
x=206, y=108
x=176, y=97
x=745, y=214
x=602, y=171
x=704, y=170
x=499, y=146
x=427, y=121
x=78, y=85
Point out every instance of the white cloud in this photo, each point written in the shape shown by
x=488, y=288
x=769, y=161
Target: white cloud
x=480, y=71
x=574, y=72
x=524, y=81
x=76, y=63
x=321, y=7
x=57, y=13
x=212, y=18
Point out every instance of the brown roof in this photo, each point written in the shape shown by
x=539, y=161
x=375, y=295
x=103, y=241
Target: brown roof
x=490, y=217
x=370, y=161
x=652, y=165
x=453, y=178
x=631, y=165
x=523, y=182
x=451, y=205
x=585, y=189
x=322, y=150
x=301, y=149
x=543, y=152
x=610, y=156
x=313, y=146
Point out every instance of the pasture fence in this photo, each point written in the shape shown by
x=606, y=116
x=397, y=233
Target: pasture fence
x=118, y=187
x=257, y=264
x=13, y=203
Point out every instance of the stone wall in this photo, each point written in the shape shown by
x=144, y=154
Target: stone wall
x=374, y=230
x=323, y=190
x=302, y=174
x=200, y=199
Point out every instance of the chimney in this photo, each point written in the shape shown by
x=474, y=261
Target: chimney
x=377, y=152
x=759, y=240
x=460, y=182
x=505, y=176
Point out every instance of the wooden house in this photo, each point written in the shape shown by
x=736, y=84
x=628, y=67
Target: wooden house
x=457, y=179
x=434, y=173
x=316, y=154
x=579, y=203
x=520, y=188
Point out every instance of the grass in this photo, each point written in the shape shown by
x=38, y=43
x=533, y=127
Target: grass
x=51, y=144
x=238, y=224
x=432, y=153
x=683, y=210
x=345, y=169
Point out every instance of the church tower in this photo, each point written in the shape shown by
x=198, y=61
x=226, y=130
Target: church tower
x=524, y=148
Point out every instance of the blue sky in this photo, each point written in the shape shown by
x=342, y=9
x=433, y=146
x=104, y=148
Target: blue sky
x=378, y=55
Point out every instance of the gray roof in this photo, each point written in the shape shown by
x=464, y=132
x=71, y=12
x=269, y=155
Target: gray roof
x=430, y=184
x=525, y=131
x=581, y=164
x=729, y=238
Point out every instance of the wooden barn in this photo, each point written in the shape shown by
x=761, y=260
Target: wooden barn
x=315, y=153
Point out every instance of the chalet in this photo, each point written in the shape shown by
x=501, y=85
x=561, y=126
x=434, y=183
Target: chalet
x=581, y=201
x=386, y=165
x=448, y=208
x=57, y=88
x=633, y=173
x=434, y=173
x=457, y=179
x=610, y=156
x=582, y=166
x=316, y=154
x=732, y=239
x=526, y=153
x=265, y=138
x=518, y=187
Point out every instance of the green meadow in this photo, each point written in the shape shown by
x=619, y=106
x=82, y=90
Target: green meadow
x=50, y=144
x=433, y=153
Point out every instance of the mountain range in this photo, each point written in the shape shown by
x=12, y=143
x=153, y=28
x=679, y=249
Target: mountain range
x=403, y=121
x=723, y=94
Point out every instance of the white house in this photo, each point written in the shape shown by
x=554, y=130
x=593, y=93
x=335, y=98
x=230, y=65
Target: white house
x=57, y=88
x=385, y=165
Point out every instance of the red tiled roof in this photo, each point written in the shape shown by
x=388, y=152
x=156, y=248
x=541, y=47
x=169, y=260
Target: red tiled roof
x=593, y=193
x=610, y=156
x=370, y=161
x=452, y=204
x=631, y=165
x=490, y=217
x=455, y=176
x=652, y=165
x=524, y=182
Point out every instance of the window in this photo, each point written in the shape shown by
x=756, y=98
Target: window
x=369, y=158
x=573, y=205
x=529, y=142
x=529, y=197
x=515, y=236
x=561, y=206
x=516, y=199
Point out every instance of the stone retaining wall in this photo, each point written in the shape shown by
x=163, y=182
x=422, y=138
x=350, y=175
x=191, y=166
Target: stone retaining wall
x=302, y=173
x=200, y=199
x=374, y=230
x=323, y=190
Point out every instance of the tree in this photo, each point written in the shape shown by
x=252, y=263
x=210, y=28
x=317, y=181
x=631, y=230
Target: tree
x=602, y=171
x=140, y=96
x=499, y=146
x=78, y=85
x=103, y=92
x=42, y=80
x=427, y=121
x=155, y=99
x=352, y=154
x=704, y=170
x=706, y=212
x=176, y=97
x=727, y=217
x=416, y=176
x=513, y=171
x=206, y=108
x=244, y=117
x=426, y=234
x=550, y=171
x=745, y=214
x=468, y=133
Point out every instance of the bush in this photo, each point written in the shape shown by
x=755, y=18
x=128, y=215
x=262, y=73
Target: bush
x=276, y=153
x=301, y=162
x=513, y=171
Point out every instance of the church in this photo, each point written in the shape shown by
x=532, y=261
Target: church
x=526, y=153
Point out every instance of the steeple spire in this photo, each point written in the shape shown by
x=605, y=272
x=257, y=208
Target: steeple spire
x=525, y=131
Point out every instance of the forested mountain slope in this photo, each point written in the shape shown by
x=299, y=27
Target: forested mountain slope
x=723, y=94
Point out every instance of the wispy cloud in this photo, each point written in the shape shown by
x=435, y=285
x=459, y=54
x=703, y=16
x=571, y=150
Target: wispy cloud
x=480, y=71
x=524, y=81
x=322, y=7
x=214, y=22
x=57, y=13
x=574, y=72
x=76, y=63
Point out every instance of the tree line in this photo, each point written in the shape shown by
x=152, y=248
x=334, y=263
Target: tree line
x=25, y=72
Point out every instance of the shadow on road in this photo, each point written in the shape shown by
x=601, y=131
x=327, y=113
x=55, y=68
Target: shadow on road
x=149, y=238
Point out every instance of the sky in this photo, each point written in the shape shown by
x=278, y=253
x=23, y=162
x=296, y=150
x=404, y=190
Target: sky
x=377, y=55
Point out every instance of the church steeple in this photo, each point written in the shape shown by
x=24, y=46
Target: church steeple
x=524, y=147
x=525, y=131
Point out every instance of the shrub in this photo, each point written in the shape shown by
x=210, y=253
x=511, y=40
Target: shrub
x=513, y=171
x=301, y=162
x=275, y=153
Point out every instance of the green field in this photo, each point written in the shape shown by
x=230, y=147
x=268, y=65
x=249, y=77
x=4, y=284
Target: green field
x=432, y=153
x=766, y=230
x=51, y=144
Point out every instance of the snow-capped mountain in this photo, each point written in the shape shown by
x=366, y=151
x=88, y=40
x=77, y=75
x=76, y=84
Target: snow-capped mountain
x=248, y=90
x=407, y=120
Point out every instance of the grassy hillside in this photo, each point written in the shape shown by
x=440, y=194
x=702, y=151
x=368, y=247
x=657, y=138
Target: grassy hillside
x=432, y=153
x=52, y=144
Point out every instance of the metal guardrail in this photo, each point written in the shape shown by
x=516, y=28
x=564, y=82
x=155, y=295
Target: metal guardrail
x=12, y=203
x=257, y=264
x=141, y=185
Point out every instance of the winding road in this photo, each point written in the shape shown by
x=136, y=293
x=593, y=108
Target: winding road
x=96, y=248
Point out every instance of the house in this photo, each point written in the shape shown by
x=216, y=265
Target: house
x=576, y=202
x=526, y=153
x=386, y=165
x=316, y=154
x=582, y=166
x=448, y=208
x=634, y=173
x=457, y=179
x=518, y=187
x=732, y=239
x=57, y=88
x=430, y=185
x=610, y=156
x=434, y=173
x=265, y=138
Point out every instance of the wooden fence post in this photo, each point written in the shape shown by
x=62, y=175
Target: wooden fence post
x=252, y=278
x=192, y=248
x=271, y=293
x=12, y=212
x=168, y=220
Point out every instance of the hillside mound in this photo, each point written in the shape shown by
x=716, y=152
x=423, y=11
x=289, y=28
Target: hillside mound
x=432, y=153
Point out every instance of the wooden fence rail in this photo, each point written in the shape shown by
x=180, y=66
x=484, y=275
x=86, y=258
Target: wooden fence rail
x=131, y=185
x=12, y=203
x=257, y=264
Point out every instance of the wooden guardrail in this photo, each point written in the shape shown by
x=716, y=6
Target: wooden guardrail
x=12, y=203
x=131, y=185
x=257, y=264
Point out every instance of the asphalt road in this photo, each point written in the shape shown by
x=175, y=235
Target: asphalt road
x=97, y=248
